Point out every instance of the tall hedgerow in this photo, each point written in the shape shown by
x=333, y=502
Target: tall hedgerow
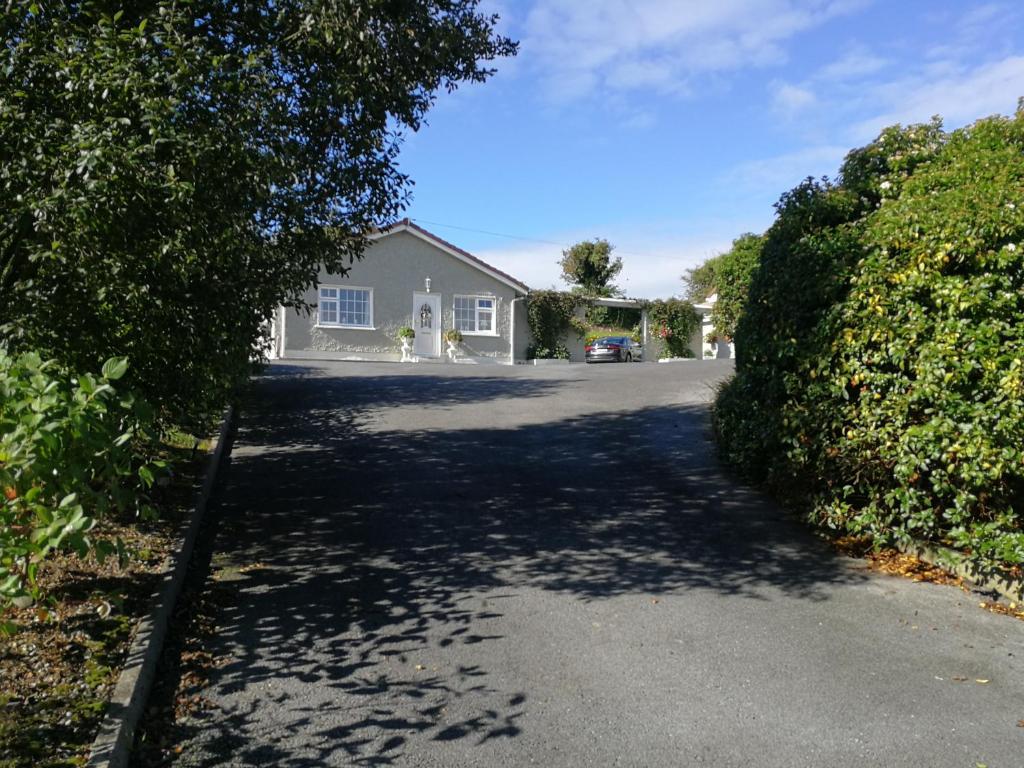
x=880, y=376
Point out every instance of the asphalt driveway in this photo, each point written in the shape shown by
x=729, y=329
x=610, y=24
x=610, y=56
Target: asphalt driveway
x=472, y=566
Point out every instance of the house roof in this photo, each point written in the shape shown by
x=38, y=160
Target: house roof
x=406, y=225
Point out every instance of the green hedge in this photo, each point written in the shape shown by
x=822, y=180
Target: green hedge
x=673, y=322
x=880, y=370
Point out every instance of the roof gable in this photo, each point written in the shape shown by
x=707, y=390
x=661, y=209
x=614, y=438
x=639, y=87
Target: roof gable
x=405, y=225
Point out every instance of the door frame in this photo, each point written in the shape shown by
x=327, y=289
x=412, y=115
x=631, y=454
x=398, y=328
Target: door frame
x=418, y=297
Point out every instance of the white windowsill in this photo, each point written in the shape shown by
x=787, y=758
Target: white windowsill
x=347, y=327
x=489, y=334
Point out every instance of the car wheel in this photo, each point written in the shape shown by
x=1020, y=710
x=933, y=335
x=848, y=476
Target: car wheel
x=629, y=358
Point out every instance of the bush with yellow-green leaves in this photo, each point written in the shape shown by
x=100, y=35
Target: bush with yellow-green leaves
x=880, y=371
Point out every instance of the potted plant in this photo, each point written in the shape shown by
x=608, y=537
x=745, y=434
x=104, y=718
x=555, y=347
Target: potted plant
x=454, y=337
x=405, y=335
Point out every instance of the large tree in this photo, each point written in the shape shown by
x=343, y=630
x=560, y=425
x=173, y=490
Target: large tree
x=589, y=267
x=701, y=281
x=170, y=171
x=734, y=271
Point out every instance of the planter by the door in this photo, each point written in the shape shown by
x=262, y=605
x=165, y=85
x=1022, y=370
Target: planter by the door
x=453, y=338
x=407, y=351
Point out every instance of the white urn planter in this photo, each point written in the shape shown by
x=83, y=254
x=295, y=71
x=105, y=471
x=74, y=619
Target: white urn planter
x=453, y=350
x=406, y=350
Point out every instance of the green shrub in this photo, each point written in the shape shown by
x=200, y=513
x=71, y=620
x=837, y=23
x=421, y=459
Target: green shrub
x=593, y=334
x=558, y=352
x=733, y=272
x=880, y=371
x=67, y=457
x=673, y=322
x=550, y=316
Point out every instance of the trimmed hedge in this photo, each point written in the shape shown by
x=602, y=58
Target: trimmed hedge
x=880, y=370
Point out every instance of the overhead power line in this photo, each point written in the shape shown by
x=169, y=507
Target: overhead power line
x=488, y=232
x=512, y=237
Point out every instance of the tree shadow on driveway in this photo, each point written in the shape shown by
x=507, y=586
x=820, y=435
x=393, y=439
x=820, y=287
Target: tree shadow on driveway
x=370, y=569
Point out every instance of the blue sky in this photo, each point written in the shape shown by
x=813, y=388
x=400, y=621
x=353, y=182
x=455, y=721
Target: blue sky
x=670, y=127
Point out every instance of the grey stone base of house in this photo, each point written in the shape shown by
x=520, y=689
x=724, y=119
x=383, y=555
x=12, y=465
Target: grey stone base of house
x=389, y=357
x=538, y=361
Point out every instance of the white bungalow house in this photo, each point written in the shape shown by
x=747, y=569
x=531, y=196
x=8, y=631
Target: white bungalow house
x=411, y=277
x=408, y=277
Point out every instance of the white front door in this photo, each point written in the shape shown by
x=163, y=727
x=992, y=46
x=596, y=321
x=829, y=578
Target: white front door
x=426, y=321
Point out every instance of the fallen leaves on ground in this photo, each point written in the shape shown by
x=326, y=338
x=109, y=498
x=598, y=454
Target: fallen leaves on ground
x=177, y=698
x=58, y=669
x=1006, y=609
x=894, y=562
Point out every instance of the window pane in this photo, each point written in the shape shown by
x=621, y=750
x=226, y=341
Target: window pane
x=328, y=293
x=485, y=320
x=485, y=303
x=355, y=307
x=328, y=312
x=465, y=314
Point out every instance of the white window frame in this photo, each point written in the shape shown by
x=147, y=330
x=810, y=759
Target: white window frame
x=337, y=301
x=476, y=313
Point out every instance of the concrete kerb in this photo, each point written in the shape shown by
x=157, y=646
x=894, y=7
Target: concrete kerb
x=113, y=744
x=950, y=560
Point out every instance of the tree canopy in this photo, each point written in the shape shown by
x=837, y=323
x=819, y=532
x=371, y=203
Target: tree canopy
x=734, y=271
x=589, y=267
x=171, y=171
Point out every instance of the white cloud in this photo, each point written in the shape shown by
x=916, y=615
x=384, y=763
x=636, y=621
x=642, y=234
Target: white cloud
x=623, y=45
x=775, y=175
x=652, y=266
x=855, y=64
x=789, y=99
x=958, y=98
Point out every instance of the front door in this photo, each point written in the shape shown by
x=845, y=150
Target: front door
x=426, y=321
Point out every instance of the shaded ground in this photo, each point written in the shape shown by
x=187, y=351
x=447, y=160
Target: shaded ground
x=447, y=566
x=59, y=668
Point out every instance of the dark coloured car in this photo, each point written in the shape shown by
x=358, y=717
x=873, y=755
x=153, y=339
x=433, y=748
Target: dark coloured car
x=613, y=349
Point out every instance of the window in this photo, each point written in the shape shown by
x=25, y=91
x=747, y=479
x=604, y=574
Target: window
x=346, y=307
x=474, y=314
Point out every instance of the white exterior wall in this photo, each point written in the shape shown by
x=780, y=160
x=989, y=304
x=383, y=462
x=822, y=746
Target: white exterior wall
x=395, y=266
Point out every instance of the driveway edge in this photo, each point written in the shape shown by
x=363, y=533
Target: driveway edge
x=113, y=744
x=950, y=560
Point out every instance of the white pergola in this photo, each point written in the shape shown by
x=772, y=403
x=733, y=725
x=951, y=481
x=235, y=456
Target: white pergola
x=704, y=310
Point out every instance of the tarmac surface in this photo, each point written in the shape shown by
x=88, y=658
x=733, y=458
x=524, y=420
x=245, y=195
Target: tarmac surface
x=445, y=565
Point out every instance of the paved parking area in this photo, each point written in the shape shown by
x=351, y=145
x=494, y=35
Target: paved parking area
x=476, y=566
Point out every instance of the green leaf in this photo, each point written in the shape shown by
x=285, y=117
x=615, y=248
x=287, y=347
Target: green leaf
x=115, y=368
